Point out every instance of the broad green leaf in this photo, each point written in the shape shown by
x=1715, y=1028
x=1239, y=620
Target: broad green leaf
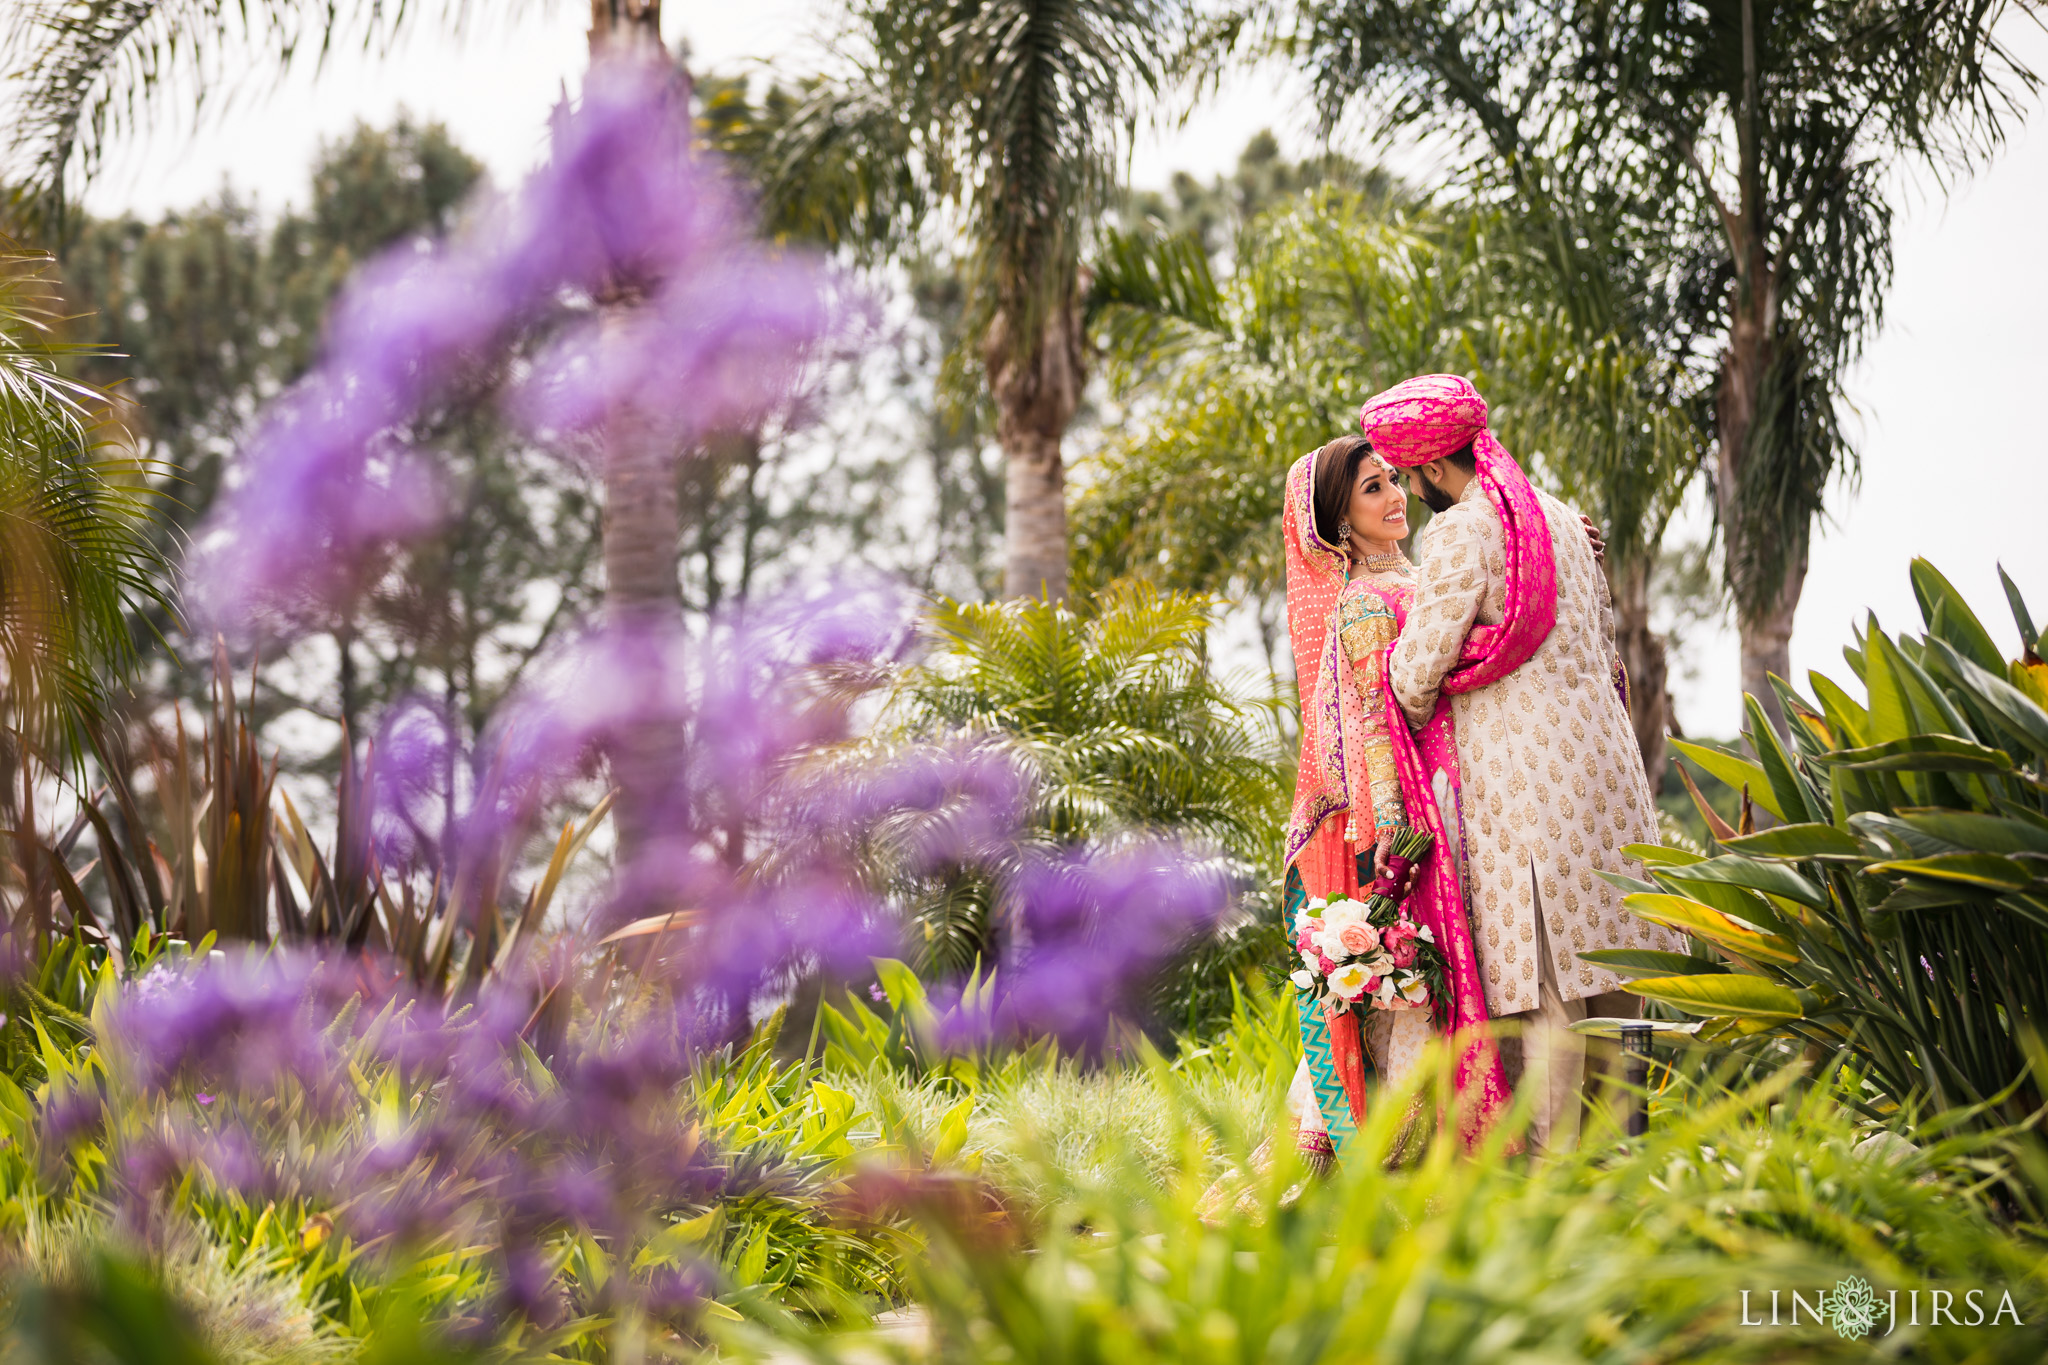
x=1890, y=716
x=1705, y=922
x=1625, y=884
x=1736, y=772
x=2021, y=617
x=2008, y=703
x=1924, y=753
x=1650, y=962
x=1916, y=895
x=1848, y=718
x=1788, y=794
x=952, y=1132
x=1772, y=878
x=1738, y=901
x=1978, y=832
x=1986, y=870
x=1959, y=625
x=1661, y=855
x=1933, y=705
x=899, y=983
x=1797, y=841
x=1735, y=995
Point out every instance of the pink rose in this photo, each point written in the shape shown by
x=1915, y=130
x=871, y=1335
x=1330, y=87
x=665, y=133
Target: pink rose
x=1324, y=964
x=1372, y=985
x=1358, y=939
x=1399, y=940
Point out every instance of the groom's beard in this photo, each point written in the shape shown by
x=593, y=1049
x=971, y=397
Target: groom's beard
x=1434, y=498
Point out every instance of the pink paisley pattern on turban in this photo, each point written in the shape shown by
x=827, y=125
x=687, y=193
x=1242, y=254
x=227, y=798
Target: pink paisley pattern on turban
x=1429, y=417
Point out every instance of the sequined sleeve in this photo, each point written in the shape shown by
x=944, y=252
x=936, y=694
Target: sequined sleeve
x=1367, y=629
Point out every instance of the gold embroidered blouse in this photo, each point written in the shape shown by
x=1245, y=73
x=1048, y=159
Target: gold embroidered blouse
x=1367, y=629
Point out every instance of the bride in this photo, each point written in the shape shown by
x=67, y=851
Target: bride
x=1363, y=773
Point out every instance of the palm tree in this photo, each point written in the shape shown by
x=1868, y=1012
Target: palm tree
x=1738, y=152
x=1016, y=113
x=1330, y=296
x=76, y=506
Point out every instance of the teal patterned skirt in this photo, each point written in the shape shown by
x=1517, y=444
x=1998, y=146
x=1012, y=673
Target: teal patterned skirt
x=1315, y=1030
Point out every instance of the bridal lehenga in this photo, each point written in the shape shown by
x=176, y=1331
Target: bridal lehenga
x=1363, y=770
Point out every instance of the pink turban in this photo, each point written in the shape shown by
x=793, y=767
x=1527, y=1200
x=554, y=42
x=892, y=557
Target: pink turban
x=1423, y=419
x=1434, y=415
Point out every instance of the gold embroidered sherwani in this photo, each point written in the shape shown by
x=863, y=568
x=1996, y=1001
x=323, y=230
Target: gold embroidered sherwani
x=1553, y=779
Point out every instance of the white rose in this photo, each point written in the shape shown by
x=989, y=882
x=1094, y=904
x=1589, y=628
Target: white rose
x=1303, y=980
x=1342, y=913
x=1348, y=981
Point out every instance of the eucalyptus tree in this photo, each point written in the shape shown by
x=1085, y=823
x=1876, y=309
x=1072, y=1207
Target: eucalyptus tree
x=1332, y=295
x=1740, y=149
x=1014, y=117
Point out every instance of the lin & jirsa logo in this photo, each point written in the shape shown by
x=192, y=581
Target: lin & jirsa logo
x=1854, y=1309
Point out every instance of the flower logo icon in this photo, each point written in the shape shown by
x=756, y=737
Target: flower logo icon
x=1852, y=1308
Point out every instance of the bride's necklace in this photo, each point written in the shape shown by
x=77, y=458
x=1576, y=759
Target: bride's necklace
x=1393, y=561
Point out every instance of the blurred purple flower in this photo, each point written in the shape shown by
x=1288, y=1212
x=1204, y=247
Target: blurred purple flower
x=1091, y=929
x=704, y=328
x=244, y=1021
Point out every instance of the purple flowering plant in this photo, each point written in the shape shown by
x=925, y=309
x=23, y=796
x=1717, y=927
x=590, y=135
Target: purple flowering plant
x=525, y=1105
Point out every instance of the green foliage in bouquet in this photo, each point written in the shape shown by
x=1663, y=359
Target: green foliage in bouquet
x=1898, y=909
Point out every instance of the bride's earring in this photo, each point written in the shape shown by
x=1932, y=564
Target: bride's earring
x=1343, y=533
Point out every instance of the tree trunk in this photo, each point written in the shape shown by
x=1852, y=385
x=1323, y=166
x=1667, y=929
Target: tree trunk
x=1763, y=612
x=1767, y=643
x=642, y=528
x=642, y=519
x=1763, y=616
x=617, y=25
x=1036, y=391
x=1643, y=655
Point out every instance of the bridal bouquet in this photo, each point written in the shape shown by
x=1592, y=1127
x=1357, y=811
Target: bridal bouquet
x=1367, y=954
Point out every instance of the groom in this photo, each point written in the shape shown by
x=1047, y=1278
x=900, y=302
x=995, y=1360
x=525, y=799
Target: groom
x=1511, y=621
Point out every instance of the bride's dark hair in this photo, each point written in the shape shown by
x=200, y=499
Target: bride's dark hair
x=1336, y=471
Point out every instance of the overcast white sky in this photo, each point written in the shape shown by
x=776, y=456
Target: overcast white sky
x=1949, y=396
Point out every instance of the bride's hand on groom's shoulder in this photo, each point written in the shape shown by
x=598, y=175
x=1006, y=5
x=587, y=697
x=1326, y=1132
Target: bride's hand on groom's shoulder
x=1594, y=538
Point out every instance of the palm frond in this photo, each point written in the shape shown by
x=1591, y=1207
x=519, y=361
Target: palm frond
x=76, y=504
x=89, y=72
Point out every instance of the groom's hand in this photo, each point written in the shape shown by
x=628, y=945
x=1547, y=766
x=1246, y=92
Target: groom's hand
x=1594, y=538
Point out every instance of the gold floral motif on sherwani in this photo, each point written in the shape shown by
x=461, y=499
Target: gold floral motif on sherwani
x=1553, y=784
